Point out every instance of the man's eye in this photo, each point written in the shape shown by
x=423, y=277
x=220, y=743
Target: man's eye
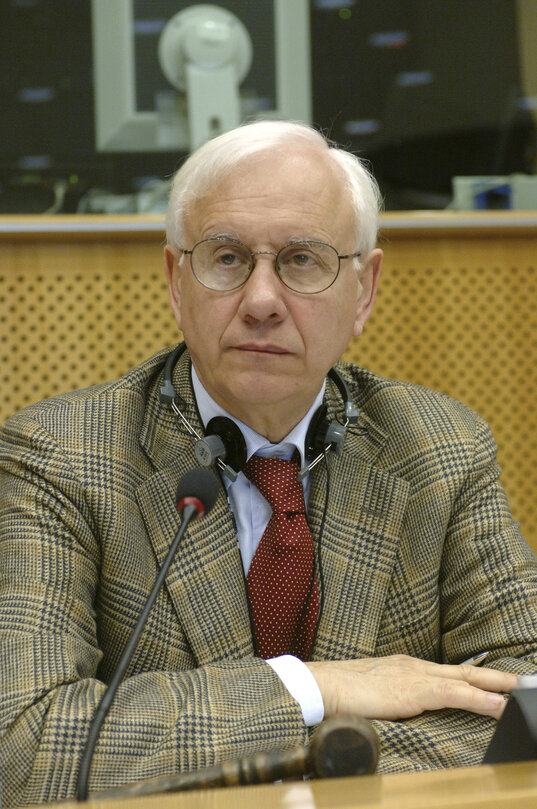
x=227, y=259
x=301, y=259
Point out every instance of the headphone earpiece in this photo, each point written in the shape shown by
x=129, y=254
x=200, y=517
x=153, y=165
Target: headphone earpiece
x=316, y=434
x=224, y=440
x=323, y=434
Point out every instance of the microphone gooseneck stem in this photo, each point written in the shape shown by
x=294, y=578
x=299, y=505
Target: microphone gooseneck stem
x=188, y=513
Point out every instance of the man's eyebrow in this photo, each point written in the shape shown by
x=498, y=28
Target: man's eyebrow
x=302, y=239
x=219, y=235
x=234, y=237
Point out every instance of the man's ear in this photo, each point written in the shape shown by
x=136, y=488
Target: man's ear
x=369, y=278
x=173, y=276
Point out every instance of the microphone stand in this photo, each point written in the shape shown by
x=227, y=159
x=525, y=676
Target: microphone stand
x=342, y=746
x=189, y=511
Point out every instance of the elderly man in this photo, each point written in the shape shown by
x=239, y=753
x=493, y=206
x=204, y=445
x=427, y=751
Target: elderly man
x=407, y=565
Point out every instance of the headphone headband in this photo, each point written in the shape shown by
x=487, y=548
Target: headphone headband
x=167, y=392
x=223, y=440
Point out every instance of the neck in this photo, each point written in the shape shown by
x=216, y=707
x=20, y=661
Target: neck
x=273, y=424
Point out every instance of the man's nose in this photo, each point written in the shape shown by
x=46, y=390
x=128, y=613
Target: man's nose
x=263, y=291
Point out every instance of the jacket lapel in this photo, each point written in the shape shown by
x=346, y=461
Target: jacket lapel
x=205, y=581
x=359, y=543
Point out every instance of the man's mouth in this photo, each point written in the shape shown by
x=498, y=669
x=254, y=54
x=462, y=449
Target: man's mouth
x=262, y=348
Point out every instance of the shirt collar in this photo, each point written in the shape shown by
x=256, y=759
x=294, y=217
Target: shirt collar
x=257, y=444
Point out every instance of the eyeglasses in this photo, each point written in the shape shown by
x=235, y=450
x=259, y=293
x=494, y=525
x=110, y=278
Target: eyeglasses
x=223, y=264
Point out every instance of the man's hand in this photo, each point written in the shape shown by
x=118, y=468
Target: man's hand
x=399, y=686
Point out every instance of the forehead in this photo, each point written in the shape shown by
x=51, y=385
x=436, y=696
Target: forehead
x=276, y=196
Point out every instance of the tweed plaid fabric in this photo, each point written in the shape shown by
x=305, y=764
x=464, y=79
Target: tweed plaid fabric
x=420, y=556
x=281, y=579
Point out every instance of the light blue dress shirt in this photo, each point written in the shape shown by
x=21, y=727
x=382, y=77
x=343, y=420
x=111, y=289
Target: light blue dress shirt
x=252, y=513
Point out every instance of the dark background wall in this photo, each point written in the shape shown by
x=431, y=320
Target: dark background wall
x=425, y=89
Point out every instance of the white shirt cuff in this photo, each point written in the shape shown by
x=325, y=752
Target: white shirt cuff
x=301, y=684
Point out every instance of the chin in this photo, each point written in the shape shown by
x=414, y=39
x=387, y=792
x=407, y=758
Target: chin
x=262, y=391
x=255, y=388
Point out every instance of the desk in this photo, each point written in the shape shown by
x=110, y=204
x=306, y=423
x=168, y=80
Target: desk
x=503, y=786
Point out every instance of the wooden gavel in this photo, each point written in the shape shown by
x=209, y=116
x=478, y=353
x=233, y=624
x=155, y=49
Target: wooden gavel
x=341, y=746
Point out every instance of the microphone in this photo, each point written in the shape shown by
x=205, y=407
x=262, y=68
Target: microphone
x=198, y=488
x=195, y=496
x=342, y=746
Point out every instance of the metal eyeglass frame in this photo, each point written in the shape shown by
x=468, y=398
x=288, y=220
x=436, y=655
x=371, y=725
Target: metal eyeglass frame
x=267, y=253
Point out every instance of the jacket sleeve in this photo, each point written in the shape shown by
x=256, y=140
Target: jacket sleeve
x=161, y=722
x=487, y=589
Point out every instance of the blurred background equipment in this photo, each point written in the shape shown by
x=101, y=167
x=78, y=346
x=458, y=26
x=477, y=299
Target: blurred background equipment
x=425, y=91
x=205, y=52
x=177, y=76
x=516, y=191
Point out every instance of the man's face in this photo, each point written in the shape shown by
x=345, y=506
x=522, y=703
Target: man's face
x=262, y=351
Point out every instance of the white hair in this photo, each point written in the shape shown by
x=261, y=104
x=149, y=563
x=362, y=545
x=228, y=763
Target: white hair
x=217, y=158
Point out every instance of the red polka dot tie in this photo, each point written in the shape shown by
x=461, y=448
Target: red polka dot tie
x=281, y=580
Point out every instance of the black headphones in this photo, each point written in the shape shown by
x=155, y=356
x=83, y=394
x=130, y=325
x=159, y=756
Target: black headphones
x=223, y=443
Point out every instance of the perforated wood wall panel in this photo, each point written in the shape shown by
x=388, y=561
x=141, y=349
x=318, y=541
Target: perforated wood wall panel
x=456, y=311
x=459, y=314
x=77, y=314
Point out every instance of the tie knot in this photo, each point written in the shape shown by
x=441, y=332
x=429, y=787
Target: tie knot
x=277, y=480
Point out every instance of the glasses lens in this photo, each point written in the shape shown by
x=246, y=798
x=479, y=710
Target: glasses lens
x=220, y=264
x=308, y=266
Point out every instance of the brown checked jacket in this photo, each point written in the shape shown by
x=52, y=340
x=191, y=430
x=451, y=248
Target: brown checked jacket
x=419, y=556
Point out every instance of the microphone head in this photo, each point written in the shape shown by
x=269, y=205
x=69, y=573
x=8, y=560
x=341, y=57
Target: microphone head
x=198, y=487
x=344, y=745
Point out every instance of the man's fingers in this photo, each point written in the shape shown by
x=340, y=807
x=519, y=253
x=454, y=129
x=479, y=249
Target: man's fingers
x=480, y=677
x=466, y=697
x=398, y=687
x=492, y=679
x=485, y=678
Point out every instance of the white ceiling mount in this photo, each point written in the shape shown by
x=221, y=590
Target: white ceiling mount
x=207, y=36
x=206, y=52
x=121, y=126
